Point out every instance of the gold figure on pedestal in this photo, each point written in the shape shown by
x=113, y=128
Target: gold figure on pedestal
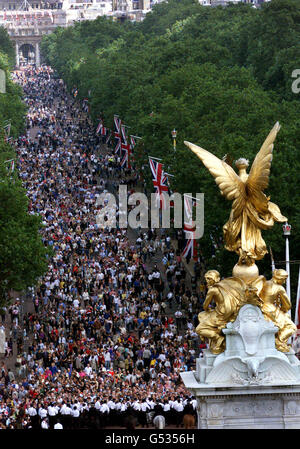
x=226, y=296
x=252, y=212
x=276, y=306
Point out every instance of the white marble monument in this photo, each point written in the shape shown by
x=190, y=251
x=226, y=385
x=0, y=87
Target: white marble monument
x=249, y=385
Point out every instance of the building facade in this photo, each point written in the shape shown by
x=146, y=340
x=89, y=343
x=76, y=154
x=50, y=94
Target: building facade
x=27, y=21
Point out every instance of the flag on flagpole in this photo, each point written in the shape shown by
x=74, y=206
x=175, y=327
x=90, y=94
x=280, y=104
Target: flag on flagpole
x=103, y=131
x=133, y=141
x=100, y=125
x=117, y=133
x=160, y=180
x=108, y=137
x=85, y=104
x=272, y=260
x=11, y=167
x=133, y=144
x=126, y=147
x=7, y=129
x=297, y=310
x=190, y=249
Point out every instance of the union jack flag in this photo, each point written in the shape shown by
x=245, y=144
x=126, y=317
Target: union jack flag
x=126, y=146
x=99, y=127
x=103, y=131
x=11, y=166
x=117, y=133
x=7, y=132
x=132, y=142
x=189, y=229
x=160, y=180
x=108, y=137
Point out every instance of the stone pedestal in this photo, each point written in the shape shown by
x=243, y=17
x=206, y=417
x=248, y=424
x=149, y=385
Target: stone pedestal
x=251, y=384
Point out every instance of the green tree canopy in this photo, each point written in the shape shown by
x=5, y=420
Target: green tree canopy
x=23, y=255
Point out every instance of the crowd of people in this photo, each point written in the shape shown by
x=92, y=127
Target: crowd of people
x=110, y=330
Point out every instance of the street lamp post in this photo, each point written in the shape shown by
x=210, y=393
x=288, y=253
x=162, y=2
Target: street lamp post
x=174, y=134
x=286, y=232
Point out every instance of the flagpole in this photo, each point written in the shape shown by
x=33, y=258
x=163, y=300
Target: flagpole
x=156, y=158
x=168, y=174
x=272, y=260
x=192, y=197
x=297, y=301
x=287, y=231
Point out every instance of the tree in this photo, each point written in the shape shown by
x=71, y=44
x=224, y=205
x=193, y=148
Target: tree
x=24, y=257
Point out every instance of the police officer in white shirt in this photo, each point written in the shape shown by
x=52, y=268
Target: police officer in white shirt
x=112, y=406
x=52, y=413
x=34, y=418
x=66, y=415
x=104, y=413
x=42, y=412
x=178, y=406
x=44, y=424
x=166, y=411
x=75, y=417
x=145, y=409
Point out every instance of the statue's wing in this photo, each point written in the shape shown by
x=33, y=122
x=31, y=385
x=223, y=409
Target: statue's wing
x=230, y=184
x=258, y=179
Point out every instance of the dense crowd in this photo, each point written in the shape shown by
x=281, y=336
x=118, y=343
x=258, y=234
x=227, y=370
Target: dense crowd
x=101, y=341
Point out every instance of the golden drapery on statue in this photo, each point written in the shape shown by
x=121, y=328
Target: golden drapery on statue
x=252, y=211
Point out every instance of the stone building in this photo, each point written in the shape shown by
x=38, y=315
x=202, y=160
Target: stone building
x=28, y=20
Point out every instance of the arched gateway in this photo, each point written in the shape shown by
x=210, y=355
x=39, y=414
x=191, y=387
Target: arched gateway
x=26, y=21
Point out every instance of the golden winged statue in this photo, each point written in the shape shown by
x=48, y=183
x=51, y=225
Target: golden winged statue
x=252, y=211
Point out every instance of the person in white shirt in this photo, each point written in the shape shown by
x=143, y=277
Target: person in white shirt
x=194, y=403
x=42, y=412
x=34, y=418
x=76, y=303
x=75, y=417
x=112, y=410
x=58, y=425
x=98, y=404
x=88, y=369
x=104, y=412
x=178, y=407
x=44, y=424
x=144, y=409
x=52, y=412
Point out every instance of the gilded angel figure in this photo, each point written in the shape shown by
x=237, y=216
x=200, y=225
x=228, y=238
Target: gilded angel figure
x=252, y=211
